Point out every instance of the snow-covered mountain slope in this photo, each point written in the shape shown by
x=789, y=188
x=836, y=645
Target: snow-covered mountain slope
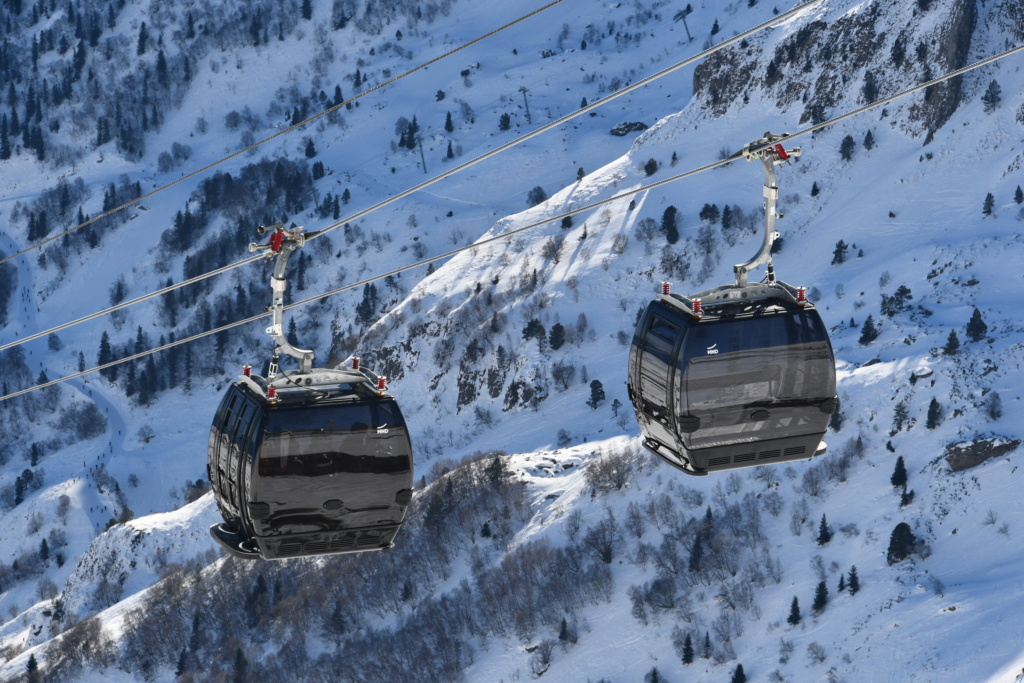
x=910, y=204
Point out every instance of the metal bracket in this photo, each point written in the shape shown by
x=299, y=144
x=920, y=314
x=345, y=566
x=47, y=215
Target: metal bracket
x=771, y=152
x=282, y=243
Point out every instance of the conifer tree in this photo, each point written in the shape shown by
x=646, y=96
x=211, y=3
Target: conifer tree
x=820, y=597
x=367, y=308
x=976, y=327
x=597, y=394
x=143, y=40
x=738, y=676
x=988, y=205
x=1018, y=196
x=688, y=650
x=557, y=336
x=5, y=145
x=411, y=134
x=899, y=415
x=846, y=148
x=824, y=533
x=868, y=333
x=187, y=383
x=992, y=97
x=709, y=213
x=907, y=497
x=536, y=196
x=182, y=666
x=901, y=543
x=842, y=583
x=934, y=418
x=706, y=650
x=854, y=581
x=794, y=613
x=240, y=668
x=870, y=89
x=899, y=474
x=727, y=217
x=106, y=355
x=696, y=554
x=839, y=253
x=669, y=225
x=161, y=68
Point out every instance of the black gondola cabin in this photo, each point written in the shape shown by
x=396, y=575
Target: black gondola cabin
x=744, y=382
x=322, y=465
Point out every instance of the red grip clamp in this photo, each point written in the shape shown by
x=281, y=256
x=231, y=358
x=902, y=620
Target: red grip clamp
x=276, y=240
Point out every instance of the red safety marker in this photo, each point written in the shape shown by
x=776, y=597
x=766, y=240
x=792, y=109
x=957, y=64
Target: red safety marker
x=276, y=240
x=247, y=370
x=696, y=308
x=782, y=152
x=666, y=288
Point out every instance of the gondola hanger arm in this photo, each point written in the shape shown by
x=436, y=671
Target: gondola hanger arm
x=282, y=243
x=770, y=150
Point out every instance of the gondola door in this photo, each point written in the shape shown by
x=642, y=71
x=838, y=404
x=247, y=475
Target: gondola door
x=652, y=369
x=240, y=425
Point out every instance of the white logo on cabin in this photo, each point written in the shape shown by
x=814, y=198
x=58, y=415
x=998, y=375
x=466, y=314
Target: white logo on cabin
x=383, y=429
x=712, y=350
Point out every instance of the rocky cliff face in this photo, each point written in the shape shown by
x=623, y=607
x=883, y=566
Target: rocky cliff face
x=873, y=61
x=951, y=45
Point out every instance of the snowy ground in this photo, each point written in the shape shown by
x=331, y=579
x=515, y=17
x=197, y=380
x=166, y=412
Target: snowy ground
x=903, y=625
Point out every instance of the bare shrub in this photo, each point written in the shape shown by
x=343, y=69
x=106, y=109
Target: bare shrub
x=612, y=470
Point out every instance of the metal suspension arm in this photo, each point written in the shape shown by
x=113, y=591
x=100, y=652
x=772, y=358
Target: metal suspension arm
x=770, y=153
x=282, y=242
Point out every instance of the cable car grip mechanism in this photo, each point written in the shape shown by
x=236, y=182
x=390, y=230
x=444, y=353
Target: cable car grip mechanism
x=771, y=152
x=282, y=243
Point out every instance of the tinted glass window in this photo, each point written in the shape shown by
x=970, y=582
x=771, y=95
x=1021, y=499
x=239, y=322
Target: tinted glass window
x=353, y=438
x=765, y=331
x=766, y=359
x=663, y=329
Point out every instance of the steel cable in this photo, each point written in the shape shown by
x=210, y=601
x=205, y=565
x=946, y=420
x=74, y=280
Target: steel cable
x=511, y=233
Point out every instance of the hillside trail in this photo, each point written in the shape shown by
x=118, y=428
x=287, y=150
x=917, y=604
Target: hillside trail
x=24, y=320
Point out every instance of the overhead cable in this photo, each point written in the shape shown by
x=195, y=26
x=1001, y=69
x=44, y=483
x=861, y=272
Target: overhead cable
x=446, y=174
x=511, y=233
x=285, y=131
